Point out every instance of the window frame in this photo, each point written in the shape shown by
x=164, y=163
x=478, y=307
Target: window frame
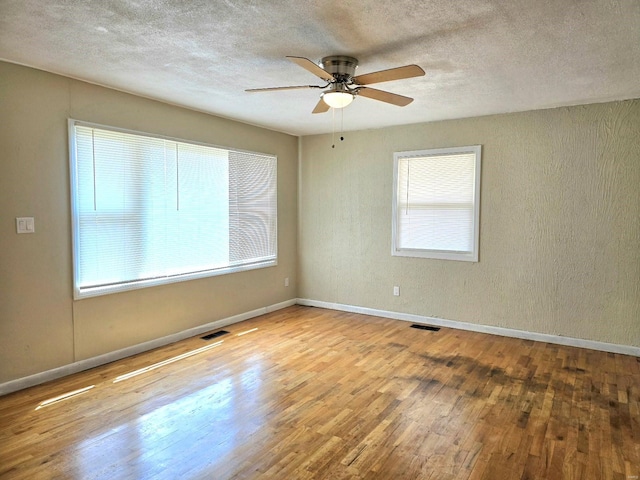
x=79, y=293
x=472, y=256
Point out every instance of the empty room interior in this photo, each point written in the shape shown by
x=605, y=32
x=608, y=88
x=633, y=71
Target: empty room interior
x=320, y=240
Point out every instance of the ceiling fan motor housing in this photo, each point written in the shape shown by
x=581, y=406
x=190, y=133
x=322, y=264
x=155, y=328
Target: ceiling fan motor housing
x=343, y=68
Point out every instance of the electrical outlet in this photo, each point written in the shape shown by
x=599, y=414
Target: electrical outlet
x=286, y=281
x=396, y=291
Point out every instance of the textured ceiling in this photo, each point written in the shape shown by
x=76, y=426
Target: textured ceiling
x=480, y=56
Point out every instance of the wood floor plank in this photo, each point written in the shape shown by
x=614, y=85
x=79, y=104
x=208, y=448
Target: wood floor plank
x=308, y=393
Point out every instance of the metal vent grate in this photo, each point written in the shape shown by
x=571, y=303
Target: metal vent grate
x=425, y=327
x=214, y=335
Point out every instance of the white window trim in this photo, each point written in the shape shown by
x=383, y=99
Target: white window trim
x=439, y=254
x=104, y=290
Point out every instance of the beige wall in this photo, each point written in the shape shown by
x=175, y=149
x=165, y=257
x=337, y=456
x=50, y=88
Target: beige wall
x=41, y=327
x=559, y=235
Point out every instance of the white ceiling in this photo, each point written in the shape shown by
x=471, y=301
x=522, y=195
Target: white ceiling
x=480, y=56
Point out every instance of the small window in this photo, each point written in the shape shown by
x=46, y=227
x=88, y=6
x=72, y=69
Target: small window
x=436, y=203
x=148, y=210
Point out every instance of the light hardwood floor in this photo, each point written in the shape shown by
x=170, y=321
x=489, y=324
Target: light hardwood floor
x=315, y=393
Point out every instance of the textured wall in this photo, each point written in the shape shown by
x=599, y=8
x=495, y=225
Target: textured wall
x=559, y=231
x=41, y=327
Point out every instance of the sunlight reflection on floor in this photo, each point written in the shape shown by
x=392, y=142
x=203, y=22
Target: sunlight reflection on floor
x=198, y=430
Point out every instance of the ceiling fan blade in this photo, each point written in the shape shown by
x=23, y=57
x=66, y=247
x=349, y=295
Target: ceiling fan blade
x=383, y=96
x=313, y=68
x=270, y=89
x=408, y=71
x=321, y=107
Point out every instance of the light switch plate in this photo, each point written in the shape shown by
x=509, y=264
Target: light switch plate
x=25, y=225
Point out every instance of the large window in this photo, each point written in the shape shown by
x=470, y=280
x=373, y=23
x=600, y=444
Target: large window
x=436, y=203
x=148, y=210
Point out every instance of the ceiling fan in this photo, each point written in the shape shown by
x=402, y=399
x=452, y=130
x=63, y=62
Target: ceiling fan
x=343, y=85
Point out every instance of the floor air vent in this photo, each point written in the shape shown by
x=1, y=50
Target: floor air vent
x=214, y=335
x=425, y=327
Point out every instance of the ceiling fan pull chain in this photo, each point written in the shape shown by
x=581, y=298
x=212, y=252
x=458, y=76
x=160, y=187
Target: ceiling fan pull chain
x=333, y=128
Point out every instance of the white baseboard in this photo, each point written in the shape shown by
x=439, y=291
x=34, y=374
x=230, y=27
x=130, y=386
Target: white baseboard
x=81, y=365
x=504, y=332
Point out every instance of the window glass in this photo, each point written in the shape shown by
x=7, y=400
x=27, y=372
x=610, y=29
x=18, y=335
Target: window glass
x=436, y=203
x=150, y=210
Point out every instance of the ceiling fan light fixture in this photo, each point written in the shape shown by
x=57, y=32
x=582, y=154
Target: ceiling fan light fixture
x=337, y=98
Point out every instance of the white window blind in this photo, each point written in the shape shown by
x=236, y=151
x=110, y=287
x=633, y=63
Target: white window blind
x=436, y=203
x=149, y=210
